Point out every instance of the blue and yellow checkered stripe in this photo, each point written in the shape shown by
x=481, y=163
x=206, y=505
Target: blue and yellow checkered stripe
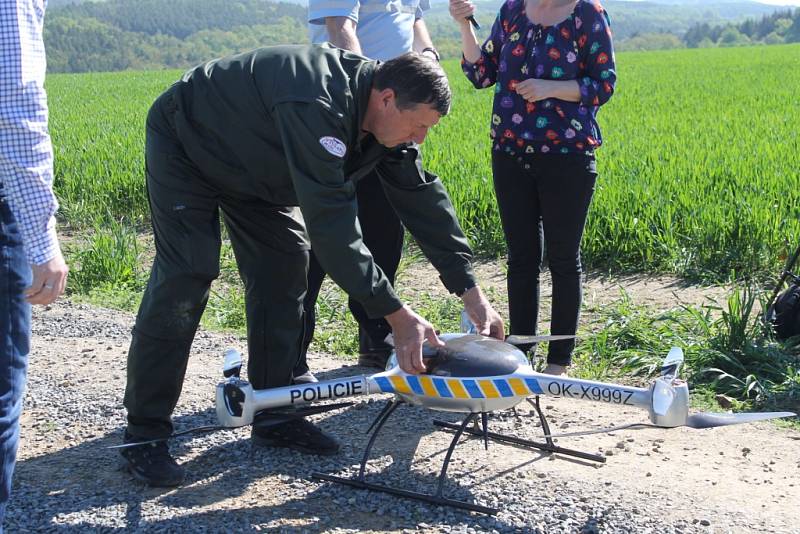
x=459, y=388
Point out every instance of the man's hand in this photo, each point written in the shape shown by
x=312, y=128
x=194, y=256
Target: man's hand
x=49, y=281
x=487, y=321
x=409, y=331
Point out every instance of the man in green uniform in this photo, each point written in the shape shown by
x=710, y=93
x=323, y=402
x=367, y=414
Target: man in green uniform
x=276, y=139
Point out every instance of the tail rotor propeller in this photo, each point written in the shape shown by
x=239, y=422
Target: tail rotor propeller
x=670, y=402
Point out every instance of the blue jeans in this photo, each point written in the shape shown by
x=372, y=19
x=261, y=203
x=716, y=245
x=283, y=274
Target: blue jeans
x=15, y=336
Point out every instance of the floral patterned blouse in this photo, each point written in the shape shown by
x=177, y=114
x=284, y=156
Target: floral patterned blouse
x=577, y=48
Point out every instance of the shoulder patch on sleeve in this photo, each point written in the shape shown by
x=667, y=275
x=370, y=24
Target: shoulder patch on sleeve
x=333, y=145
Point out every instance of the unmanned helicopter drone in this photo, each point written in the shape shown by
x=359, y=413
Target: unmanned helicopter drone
x=474, y=375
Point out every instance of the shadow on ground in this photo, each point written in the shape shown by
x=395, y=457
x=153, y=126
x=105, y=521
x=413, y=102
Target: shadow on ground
x=232, y=486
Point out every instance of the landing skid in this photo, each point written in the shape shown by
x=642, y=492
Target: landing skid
x=548, y=445
x=437, y=498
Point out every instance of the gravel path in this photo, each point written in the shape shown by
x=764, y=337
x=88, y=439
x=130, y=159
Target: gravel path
x=735, y=479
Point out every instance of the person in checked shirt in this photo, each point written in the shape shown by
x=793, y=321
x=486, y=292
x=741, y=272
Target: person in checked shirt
x=32, y=269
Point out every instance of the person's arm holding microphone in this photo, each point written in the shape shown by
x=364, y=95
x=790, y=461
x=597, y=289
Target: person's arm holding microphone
x=463, y=12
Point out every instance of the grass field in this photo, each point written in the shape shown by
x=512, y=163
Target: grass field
x=698, y=177
x=699, y=170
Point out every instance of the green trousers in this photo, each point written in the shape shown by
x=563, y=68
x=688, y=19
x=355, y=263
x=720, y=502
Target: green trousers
x=271, y=249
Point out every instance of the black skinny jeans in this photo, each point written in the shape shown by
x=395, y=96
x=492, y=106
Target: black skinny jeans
x=544, y=198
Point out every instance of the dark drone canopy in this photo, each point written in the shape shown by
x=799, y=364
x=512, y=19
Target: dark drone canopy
x=474, y=356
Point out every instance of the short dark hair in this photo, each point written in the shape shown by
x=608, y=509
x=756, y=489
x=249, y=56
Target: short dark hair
x=415, y=79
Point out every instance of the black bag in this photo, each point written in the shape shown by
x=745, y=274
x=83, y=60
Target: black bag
x=783, y=311
x=784, y=314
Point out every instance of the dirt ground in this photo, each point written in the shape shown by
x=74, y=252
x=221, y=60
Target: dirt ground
x=742, y=478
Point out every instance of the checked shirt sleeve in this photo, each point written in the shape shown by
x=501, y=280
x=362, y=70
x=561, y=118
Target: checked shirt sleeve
x=597, y=55
x=26, y=155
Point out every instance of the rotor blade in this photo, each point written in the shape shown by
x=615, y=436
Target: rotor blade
x=672, y=364
x=627, y=426
x=209, y=428
x=700, y=420
x=663, y=396
x=232, y=365
x=522, y=339
x=711, y=420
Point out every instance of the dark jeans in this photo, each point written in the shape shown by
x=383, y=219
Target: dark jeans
x=383, y=236
x=544, y=199
x=271, y=251
x=15, y=336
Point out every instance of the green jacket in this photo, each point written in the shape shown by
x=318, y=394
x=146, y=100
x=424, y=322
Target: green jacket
x=282, y=124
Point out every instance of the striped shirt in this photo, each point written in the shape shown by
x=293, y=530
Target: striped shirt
x=26, y=155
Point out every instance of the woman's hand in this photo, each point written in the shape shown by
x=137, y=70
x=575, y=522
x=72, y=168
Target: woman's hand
x=534, y=90
x=461, y=10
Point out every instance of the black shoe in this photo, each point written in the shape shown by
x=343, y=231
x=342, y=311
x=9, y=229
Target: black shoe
x=372, y=353
x=376, y=358
x=152, y=463
x=306, y=378
x=297, y=434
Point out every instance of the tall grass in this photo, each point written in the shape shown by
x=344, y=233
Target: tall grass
x=728, y=349
x=742, y=358
x=107, y=257
x=698, y=172
x=698, y=175
x=97, y=125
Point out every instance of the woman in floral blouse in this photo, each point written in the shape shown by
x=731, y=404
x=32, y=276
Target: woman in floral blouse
x=552, y=65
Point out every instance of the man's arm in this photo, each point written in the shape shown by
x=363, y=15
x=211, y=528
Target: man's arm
x=422, y=39
x=421, y=202
x=316, y=143
x=342, y=33
x=26, y=156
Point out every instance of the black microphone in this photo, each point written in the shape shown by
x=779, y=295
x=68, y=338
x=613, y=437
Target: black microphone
x=474, y=22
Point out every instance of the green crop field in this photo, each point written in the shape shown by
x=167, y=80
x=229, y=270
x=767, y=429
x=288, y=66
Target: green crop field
x=699, y=170
x=698, y=177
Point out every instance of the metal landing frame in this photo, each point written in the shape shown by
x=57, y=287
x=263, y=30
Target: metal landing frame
x=438, y=497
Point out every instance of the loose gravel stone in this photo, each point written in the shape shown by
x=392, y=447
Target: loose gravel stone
x=68, y=480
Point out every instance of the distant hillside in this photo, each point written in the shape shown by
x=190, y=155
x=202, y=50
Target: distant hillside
x=150, y=34
x=636, y=25
x=629, y=18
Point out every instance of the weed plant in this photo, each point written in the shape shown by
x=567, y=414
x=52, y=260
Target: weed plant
x=728, y=350
x=107, y=258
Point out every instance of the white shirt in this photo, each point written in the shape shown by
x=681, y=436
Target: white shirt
x=384, y=28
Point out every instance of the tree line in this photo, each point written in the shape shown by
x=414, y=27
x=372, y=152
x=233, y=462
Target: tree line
x=151, y=34
x=778, y=28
